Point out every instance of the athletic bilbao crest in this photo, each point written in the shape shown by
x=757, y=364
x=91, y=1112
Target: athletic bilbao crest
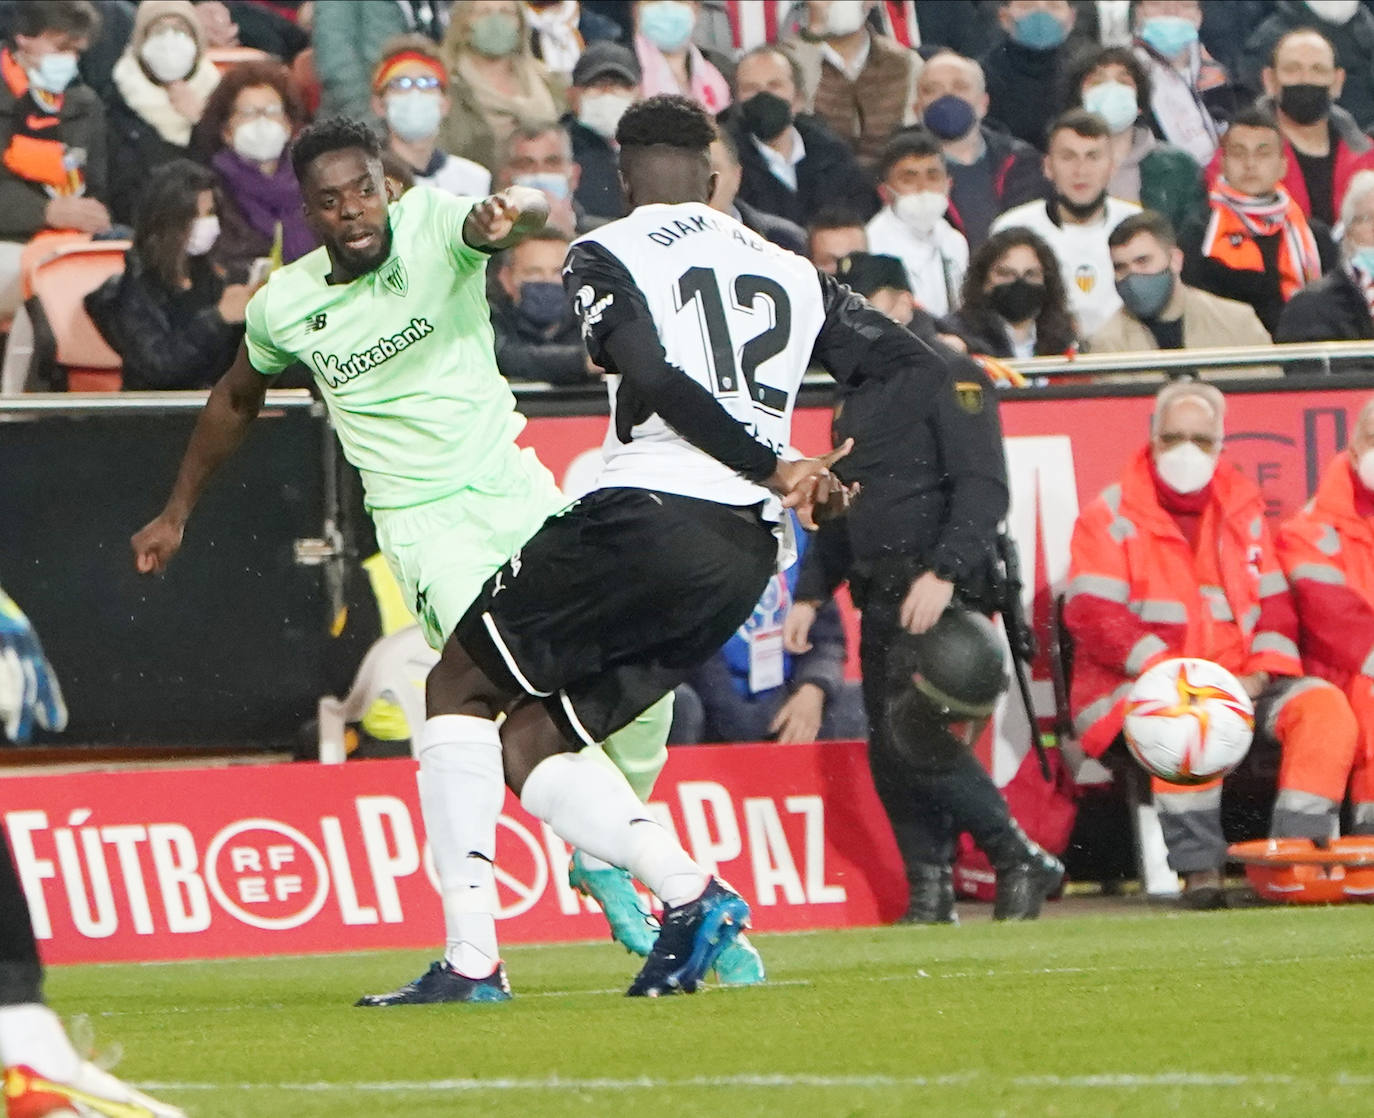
x=394, y=276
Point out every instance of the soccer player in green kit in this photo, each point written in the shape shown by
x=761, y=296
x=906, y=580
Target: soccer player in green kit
x=391, y=316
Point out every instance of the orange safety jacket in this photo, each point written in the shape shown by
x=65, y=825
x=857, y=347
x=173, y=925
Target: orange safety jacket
x=1327, y=550
x=1138, y=594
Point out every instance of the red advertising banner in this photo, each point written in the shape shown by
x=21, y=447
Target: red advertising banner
x=283, y=859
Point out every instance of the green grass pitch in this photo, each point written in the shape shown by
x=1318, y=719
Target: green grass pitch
x=1267, y=1011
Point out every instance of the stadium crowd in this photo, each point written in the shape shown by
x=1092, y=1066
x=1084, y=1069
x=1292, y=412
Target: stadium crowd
x=1012, y=179
x=1053, y=177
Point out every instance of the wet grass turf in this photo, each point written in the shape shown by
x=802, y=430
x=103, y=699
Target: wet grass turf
x=1264, y=1010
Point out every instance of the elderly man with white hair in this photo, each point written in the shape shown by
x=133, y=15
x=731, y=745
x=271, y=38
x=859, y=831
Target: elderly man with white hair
x=1327, y=551
x=1339, y=307
x=1176, y=560
x=990, y=171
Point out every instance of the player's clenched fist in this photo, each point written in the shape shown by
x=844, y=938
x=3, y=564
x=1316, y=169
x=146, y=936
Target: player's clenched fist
x=155, y=544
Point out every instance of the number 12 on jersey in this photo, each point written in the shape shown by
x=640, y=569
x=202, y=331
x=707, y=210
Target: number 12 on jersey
x=699, y=287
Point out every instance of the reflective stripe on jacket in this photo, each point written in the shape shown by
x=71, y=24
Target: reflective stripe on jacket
x=1327, y=551
x=1138, y=594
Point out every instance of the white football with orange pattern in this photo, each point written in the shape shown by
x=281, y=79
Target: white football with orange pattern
x=1189, y=721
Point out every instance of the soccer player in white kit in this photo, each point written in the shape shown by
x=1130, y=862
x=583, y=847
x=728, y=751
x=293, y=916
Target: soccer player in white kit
x=706, y=332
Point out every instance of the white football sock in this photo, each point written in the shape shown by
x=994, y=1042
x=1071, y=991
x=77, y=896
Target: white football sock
x=462, y=787
x=31, y=1035
x=593, y=808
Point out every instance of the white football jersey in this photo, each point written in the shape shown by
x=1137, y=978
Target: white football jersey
x=734, y=312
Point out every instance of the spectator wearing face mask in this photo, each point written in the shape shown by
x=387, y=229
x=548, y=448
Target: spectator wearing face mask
x=1339, y=307
x=605, y=84
x=560, y=30
x=540, y=156
x=347, y=40
x=668, y=59
x=1023, y=71
x=538, y=337
x=1013, y=303
x=410, y=93
x=495, y=82
x=1258, y=247
x=1160, y=311
x=1189, y=92
x=860, y=83
x=792, y=165
x=52, y=135
x=1322, y=143
x=250, y=117
x=170, y=316
x=1113, y=83
x=162, y=82
x=1347, y=25
x=1077, y=220
x=914, y=186
x=1177, y=559
x=725, y=198
x=990, y=170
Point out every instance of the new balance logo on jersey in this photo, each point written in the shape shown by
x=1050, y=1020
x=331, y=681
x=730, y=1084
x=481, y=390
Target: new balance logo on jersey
x=336, y=372
x=314, y=324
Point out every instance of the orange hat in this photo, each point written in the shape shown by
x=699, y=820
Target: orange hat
x=386, y=69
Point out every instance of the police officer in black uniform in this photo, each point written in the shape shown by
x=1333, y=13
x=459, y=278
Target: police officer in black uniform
x=919, y=550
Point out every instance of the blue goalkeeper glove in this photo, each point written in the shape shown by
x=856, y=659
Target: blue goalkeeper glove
x=29, y=692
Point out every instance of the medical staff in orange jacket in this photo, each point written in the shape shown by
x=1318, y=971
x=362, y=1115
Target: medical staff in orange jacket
x=1176, y=560
x=1327, y=550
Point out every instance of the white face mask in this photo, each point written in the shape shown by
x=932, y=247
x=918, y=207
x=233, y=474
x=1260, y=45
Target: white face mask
x=920, y=211
x=1334, y=11
x=1185, y=468
x=1366, y=470
x=601, y=112
x=260, y=140
x=169, y=55
x=204, y=234
x=414, y=115
x=843, y=17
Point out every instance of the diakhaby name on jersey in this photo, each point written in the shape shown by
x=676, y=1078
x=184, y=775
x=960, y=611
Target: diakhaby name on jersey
x=668, y=235
x=336, y=372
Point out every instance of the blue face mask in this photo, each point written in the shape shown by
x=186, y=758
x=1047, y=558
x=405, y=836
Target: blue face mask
x=668, y=24
x=543, y=302
x=1363, y=259
x=54, y=72
x=1038, y=30
x=1169, y=35
x=555, y=185
x=1114, y=102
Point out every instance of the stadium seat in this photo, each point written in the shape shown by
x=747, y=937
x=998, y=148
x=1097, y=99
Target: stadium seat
x=60, y=278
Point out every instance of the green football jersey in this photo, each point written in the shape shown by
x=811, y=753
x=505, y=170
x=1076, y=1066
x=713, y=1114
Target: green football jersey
x=403, y=355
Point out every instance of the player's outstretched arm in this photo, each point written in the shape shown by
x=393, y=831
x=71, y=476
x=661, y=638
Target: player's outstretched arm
x=234, y=403
x=506, y=218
